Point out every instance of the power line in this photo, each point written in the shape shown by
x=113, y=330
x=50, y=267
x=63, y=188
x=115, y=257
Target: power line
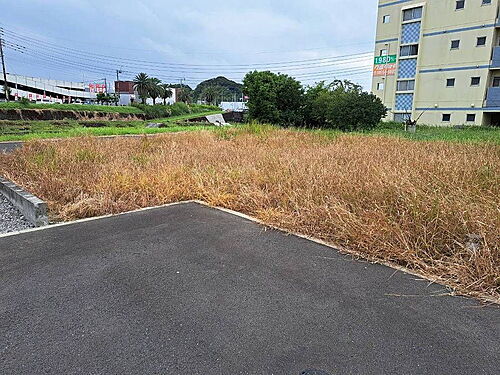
x=35, y=41
x=183, y=70
x=50, y=59
x=51, y=55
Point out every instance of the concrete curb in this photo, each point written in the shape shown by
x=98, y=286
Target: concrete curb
x=32, y=208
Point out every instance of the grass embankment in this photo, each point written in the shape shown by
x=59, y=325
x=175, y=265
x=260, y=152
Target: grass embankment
x=27, y=130
x=73, y=107
x=416, y=204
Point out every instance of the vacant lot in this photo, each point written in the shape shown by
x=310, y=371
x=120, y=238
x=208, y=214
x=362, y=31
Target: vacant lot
x=430, y=206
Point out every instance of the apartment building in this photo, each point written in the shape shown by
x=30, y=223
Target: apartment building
x=439, y=60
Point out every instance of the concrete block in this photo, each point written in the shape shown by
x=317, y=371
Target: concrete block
x=32, y=208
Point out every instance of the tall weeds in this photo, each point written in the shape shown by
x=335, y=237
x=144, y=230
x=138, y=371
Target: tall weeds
x=433, y=207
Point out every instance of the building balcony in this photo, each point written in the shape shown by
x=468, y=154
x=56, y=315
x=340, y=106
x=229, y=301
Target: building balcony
x=495, y=61
x=493, y=97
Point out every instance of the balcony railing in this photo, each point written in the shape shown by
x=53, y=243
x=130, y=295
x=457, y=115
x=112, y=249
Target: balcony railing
x=493, y=97
x=495, y=62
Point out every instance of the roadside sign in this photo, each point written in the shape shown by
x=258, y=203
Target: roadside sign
x=389, y=59
x=385, y=66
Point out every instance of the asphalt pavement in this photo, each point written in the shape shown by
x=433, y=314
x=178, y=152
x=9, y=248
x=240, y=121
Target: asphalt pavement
x=187, y=289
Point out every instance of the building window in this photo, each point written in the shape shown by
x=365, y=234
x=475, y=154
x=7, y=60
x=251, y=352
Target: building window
x=412, y=14
x=455, y=44
x=496, y=82
x=481, y=41
x=475, y=81
x=411, y=50
x=471, y=117
x=380, y=86
x=383, y=52
x=406, y=85
x=486, y=2
x=460, y=4
x=386, y=19
x=450, y=82
x=446, y=117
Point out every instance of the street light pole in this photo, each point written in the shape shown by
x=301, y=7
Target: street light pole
x=5, y=87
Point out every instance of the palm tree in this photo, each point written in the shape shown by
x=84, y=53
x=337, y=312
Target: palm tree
x=165, y=93
x=210, y=94
x=141, y=85
x=154, y=89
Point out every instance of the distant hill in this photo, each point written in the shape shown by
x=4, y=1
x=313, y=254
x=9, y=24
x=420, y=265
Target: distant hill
x=232, y=87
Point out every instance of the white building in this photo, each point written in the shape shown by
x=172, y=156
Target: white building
x=127, y=94
x=47, y=90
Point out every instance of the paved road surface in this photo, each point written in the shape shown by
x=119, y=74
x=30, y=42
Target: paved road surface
x=187, y=289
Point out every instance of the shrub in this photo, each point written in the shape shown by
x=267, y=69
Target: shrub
x=342, y=105
x=179, y=109
x=154, y=111
x=274, y=98
x=24, y=102
x=281, y=100
x=176, y=109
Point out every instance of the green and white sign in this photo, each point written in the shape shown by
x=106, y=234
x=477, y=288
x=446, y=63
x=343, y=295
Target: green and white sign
x=382, y=60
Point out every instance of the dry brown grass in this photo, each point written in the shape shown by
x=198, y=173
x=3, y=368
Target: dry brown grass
x=410, y=203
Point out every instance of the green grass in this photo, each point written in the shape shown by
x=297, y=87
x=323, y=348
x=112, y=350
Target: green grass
x=73, y=107
x=107, y=131
x=474, y=134
x=26, y=130
x=185, y=117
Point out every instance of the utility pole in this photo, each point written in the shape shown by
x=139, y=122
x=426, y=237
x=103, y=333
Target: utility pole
x=5, y=87
x=181, y=88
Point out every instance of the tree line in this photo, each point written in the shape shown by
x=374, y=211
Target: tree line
x=282, y=100
x=151, y=87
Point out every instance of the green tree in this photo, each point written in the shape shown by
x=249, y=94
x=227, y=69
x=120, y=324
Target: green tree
x=210, y=94
x=165, y=92
x=101, y=97
x=274, y=98
x=185, y=95
x=342, y=105
x=154, y=89
x=141, y=85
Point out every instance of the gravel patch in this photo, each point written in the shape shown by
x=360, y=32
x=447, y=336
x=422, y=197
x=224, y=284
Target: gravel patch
x=11, y=219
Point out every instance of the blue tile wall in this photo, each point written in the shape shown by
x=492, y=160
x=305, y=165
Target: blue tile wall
x=404, y=102
x=407, y=68
x=411, y=32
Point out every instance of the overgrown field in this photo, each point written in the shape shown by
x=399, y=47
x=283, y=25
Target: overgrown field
x=430, y=206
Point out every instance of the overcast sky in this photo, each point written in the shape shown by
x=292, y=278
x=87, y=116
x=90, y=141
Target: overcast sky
x=192, y=32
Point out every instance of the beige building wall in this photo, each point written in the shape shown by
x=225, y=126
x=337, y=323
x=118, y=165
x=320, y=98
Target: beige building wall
x=434, y=101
